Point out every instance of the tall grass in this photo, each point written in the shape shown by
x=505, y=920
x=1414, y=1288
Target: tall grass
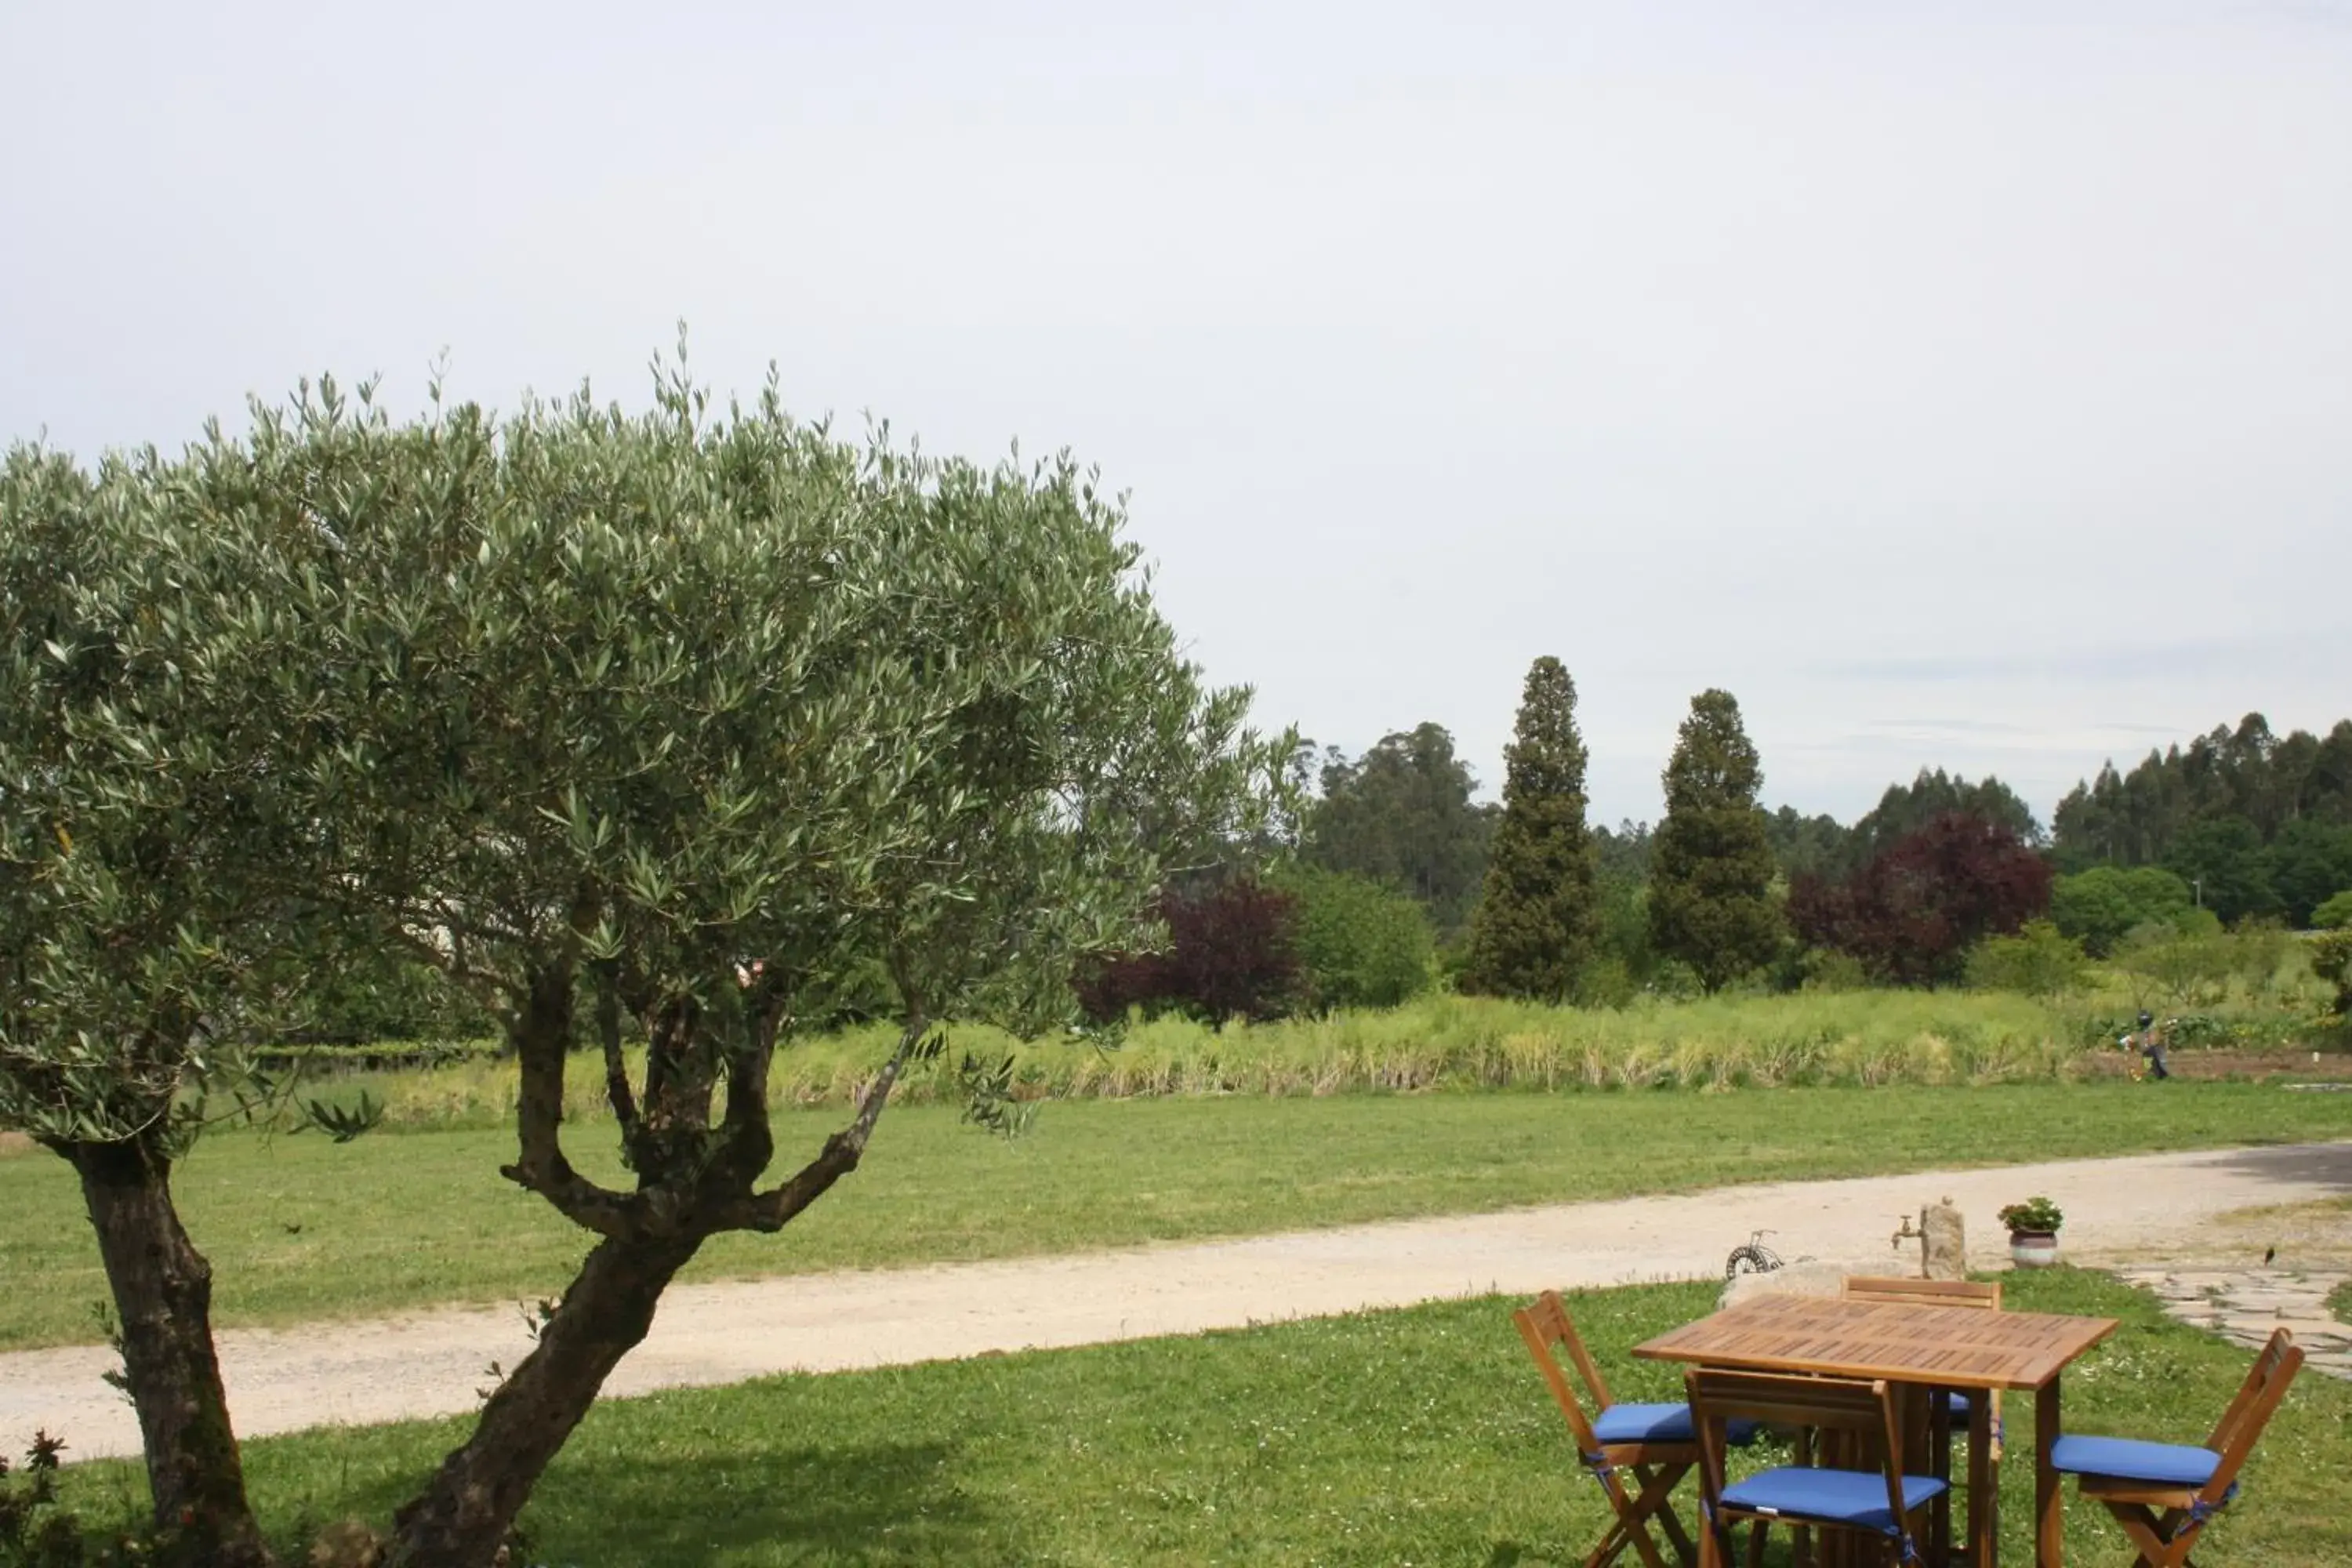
x=1444, y=1042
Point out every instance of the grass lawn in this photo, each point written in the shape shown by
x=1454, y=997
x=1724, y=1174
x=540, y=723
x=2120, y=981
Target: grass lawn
x=301, y=1228
x=1416, y=1437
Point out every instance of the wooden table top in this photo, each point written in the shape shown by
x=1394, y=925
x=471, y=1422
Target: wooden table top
x=1951, y=1347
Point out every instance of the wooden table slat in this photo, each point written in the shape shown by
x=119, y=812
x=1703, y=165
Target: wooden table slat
x=1951, y=1347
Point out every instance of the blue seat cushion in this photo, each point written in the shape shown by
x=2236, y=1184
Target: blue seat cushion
x=1855, y=1498
x=1660, y=1424
x=1956, y=1404
x=2159, y=1464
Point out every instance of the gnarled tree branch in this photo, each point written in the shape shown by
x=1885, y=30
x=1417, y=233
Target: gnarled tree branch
x=542, y=1037
x=775, y=1208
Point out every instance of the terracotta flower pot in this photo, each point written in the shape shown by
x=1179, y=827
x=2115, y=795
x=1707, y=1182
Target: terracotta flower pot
x=2033, y=1248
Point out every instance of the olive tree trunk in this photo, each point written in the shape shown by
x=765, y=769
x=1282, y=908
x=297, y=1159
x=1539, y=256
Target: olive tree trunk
x=696, y=1180
x=162, y=1297
x=464, y=1515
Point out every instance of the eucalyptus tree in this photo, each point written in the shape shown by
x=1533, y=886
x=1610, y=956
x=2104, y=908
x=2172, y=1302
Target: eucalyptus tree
x=680, y=713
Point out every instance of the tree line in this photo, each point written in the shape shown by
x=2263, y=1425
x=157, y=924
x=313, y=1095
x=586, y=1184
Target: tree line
x=1524, y=897
x=2254, y=823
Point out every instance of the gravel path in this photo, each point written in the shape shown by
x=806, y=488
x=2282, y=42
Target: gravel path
x=431, y=1363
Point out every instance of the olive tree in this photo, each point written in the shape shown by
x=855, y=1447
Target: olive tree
x=149, y=868
x=679, y=714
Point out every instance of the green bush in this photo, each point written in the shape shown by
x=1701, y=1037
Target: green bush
x=2331, y=960
x=2098, y=907
x=1359, y=945
x=2038, y=961
x=1823, y=969
x=2259, y=950
x=2179, y=966
x=2336, y=913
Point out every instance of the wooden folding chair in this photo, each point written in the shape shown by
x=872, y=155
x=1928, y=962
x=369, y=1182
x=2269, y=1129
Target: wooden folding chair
x=1656, y=1444
x=2190, y=1486
x=1881, y=1504
x=1950, y=1411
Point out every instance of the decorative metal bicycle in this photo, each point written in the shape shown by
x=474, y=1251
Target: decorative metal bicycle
x=1753, y=1258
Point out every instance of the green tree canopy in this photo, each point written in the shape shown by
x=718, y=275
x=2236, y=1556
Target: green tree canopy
x=2246, y=770
x=1402, y=814
x=1903, y=809
x=2098, y=907
x=681, y=712
x=2305, y=863
x=2222, y=861
x=1534, y=931
x=1712, y=865
x=1818, y=846
x=158, y=881
x=1362, y=945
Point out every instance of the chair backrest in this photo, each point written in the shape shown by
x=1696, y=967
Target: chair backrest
x=1821, y=1403
x=1923, y=1292
x=1543, y=1323
x=1932, y=1293
x=2258, y=1397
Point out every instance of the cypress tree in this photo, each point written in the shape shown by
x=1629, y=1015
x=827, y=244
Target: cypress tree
x=1711, y=864
x=1536, y=920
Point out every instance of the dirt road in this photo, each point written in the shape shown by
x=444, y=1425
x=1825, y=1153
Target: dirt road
x=431, y=1363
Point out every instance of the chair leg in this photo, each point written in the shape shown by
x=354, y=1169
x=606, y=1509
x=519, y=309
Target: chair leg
x=1669, y=1521
x=1633, y=1513
x=2154, y=1537
x=1939, y=1460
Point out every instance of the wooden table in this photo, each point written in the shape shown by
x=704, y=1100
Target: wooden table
x=1926, y=1347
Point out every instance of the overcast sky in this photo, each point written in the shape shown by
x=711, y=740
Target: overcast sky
x=1965, y=384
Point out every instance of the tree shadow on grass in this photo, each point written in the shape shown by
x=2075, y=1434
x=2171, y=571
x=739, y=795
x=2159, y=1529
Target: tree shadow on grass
x=755, y=1503
x=867, y=1503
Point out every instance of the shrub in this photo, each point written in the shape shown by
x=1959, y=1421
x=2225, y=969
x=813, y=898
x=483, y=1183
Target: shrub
x=2333, y=914
x=2038, y=961
x=1826, y=969
x=2331, y=960
x=1232, y=952
x=2257, y=950
x=1911, y=915
x=1359, y=945
x=2182, y=967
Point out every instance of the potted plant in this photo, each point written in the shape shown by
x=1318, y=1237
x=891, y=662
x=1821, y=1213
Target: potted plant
x=2033, y=1232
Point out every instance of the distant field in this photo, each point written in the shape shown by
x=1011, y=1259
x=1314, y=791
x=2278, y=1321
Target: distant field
x=1866, y=1037
x=1415, y=1437
x=297, y=1227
